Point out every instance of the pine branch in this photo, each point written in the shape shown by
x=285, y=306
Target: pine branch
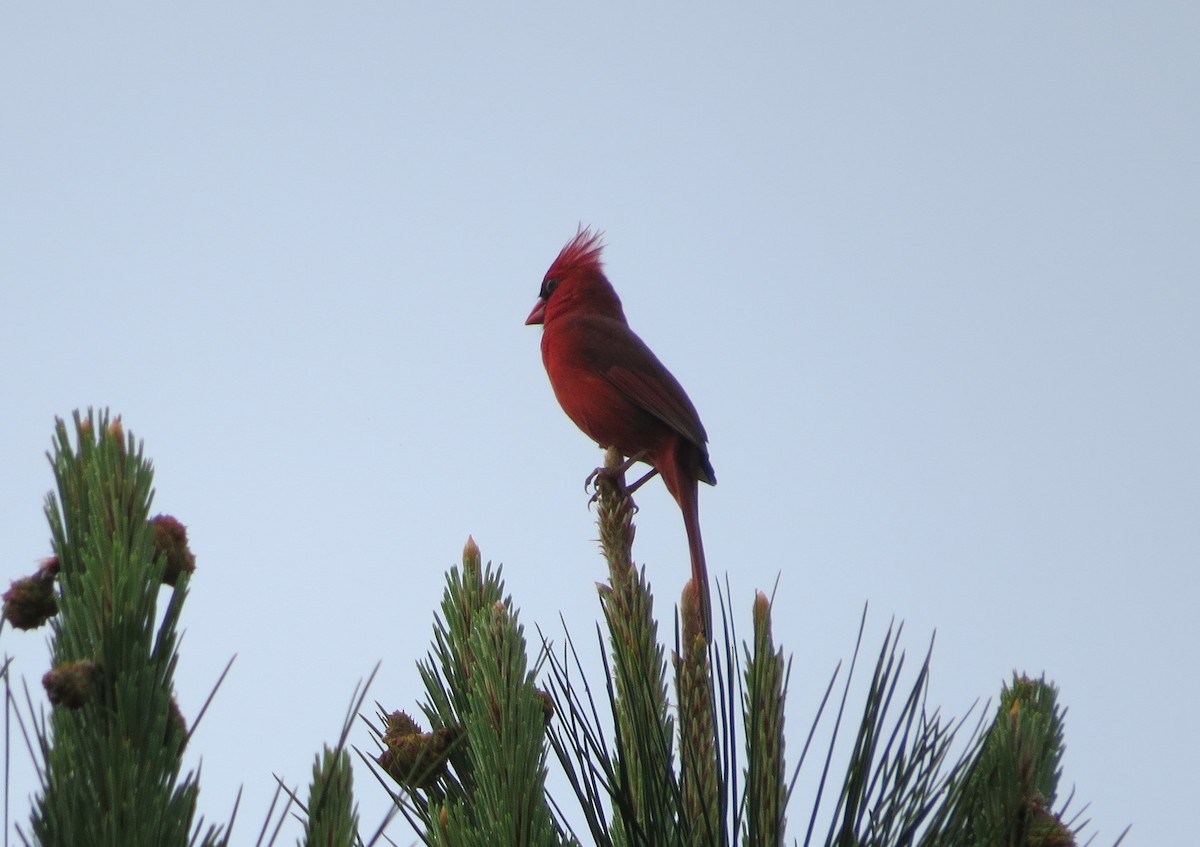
x=112, y=753
x=332, y=819
x=646, y=785
x=1009, y=796
x=703, y=793
x=478, y=776
x=900, y=785
x=766, y=783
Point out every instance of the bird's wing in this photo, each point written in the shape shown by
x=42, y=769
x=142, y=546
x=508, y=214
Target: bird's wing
x=661, y=396
x=619, y=356
x=644, y=380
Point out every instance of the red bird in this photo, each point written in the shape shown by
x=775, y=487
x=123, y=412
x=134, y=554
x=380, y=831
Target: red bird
x=616, y=390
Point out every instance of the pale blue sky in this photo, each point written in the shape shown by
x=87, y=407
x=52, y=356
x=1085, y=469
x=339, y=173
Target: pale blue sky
x=929, y=273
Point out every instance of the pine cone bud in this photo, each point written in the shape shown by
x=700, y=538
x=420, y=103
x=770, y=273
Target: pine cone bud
x=117, y=432
x=547, y=704
x=170, y=541
x=48, y=567
x=71, y=684
x=692, y=612
x=177, y=728
x=413, y=758
x=30, y=601
x=472, y=559
x=762, y=611
x=1046, y=830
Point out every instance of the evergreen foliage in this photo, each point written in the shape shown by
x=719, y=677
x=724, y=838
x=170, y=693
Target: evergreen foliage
x=332, y=820
x=111, y=769
x=698, y=762
x=478, y=776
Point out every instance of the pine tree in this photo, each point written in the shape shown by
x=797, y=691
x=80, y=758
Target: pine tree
x=681, y=746
x=660, y=772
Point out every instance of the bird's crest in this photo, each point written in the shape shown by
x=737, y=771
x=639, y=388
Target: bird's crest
x=581, y=253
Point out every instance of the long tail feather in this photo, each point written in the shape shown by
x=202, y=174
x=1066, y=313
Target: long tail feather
x=680, y=467
x=689, y=504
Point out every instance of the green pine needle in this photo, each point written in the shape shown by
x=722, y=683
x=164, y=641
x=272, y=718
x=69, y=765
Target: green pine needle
x=112, y=751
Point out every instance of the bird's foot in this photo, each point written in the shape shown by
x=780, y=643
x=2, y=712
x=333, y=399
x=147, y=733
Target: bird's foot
x=616, y=475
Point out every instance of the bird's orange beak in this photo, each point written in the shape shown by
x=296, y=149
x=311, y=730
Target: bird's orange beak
x=538, y=315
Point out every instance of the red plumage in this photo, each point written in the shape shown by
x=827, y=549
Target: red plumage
x=615, y=389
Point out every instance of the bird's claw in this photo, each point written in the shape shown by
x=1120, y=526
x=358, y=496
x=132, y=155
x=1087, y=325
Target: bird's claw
x=617, y=475
x=592, y=483
x=633, y=507
x=591, y=478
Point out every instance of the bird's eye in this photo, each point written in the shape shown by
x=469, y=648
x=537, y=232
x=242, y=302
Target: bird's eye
x=548, y=286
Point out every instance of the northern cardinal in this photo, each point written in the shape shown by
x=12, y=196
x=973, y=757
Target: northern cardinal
x=615, y=389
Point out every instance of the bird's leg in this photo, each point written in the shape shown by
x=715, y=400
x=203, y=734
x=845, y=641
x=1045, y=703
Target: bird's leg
x=619, y=470
x=616, y=473
x=629, y=489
